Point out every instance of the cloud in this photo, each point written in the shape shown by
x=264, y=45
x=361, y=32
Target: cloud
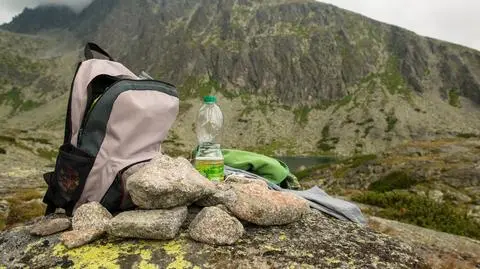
x=454, y=21
x=10, y=8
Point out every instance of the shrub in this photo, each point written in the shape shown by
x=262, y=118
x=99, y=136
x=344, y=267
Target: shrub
x=454, y=98
x=391, y=121
x=392, y=181
x=421, y=211
x=325, y=146
x=467, y=135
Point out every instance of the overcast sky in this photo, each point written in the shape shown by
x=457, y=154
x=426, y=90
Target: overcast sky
x=456, y=21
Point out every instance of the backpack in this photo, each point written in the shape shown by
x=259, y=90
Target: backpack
x=114, y=120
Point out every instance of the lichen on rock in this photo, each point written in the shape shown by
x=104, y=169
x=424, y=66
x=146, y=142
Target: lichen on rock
x=77, y=238
x=48, y=226
x=315, y=241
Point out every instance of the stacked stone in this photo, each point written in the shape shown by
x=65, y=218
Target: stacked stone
x=163, y=190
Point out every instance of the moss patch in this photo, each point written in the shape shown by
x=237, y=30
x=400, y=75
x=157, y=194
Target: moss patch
x=48, y=154
x=22, y=208
x=24, y=212
x=26, y=195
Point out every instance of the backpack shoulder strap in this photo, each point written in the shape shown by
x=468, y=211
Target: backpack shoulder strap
x=91, y=47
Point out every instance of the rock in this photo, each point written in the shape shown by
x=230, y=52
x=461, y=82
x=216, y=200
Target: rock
x=412, y=151
x=457, y=196
x=167, y=182
x=435, y=195
x=148, y=224
x=223, y=194
x=257, y=204
x=462, y=177
x=91, y=216
x=48, y=226
x=245, y=180
x=474, y=212
x=216, y=227
x=315, y=241
x=77, y=238
x=301, y=168
x=438, y=248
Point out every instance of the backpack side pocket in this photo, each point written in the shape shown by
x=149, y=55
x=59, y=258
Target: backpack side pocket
x=66, y=183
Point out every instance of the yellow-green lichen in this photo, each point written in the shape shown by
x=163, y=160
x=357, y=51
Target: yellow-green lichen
x=107, y=255
x=271, y=248
x=332, y=260
x=91, y=256
x=146, y=256
x=302, y=266
x=174, y=249
x=282, y=236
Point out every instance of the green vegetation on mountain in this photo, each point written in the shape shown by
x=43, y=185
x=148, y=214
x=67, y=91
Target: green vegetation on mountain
x=421, y=211
x=302, y=64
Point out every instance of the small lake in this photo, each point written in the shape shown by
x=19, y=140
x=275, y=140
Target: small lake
x=295, y=162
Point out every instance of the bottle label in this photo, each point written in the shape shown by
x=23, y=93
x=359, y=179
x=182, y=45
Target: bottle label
x=211, y=169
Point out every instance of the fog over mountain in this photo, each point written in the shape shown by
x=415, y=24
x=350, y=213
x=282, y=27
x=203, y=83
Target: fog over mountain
x=10, y=8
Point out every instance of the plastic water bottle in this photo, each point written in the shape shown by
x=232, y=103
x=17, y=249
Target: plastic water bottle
x=209, y=157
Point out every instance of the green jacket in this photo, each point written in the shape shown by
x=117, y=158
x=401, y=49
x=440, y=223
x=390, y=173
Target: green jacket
x=275, y=171
x=272, y=169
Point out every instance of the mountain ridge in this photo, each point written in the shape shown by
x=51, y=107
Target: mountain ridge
x=350, y=83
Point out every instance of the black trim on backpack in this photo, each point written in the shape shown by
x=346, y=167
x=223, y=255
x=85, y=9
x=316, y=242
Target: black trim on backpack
x=49, y=198
x=96, y=88
x=117, y=198
x=90, y=47
x=68, y=120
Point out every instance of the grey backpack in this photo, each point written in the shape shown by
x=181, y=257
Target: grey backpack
x=114, y=120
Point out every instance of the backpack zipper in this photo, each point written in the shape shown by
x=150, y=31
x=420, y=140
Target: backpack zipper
x=82, y=127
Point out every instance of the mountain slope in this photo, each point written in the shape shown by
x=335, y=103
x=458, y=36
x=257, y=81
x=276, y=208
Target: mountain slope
x=296, y=77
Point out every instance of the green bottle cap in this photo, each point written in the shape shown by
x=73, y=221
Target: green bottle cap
x=209, y=99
